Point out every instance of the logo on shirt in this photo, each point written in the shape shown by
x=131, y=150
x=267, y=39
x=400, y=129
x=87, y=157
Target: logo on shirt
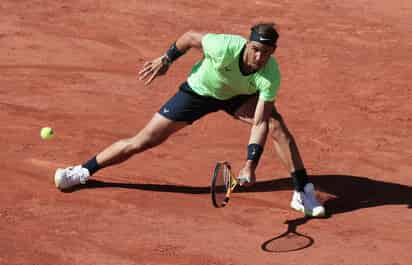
x=227, y=68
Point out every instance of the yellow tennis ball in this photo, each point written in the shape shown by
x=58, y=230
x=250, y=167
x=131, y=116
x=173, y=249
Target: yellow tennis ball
x=46, y=133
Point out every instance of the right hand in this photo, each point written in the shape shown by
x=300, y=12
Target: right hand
x=154, y=68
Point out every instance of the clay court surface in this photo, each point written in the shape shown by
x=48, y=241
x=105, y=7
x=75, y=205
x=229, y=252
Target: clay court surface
x=345, y=94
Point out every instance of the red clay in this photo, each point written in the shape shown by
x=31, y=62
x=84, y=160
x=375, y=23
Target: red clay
x=72, y=65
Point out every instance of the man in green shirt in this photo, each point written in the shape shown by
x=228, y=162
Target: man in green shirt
x=235, y=75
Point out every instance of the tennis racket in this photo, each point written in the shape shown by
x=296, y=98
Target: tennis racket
x=223, y=184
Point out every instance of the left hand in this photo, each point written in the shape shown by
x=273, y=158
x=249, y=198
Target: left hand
x=154, y=68
x=246, y=177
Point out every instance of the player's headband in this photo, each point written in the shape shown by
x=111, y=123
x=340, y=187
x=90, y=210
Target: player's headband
x=256, y=36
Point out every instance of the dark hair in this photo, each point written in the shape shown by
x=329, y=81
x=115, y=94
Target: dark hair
x=267, y=30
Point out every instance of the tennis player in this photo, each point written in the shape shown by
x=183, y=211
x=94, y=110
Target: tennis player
x=235, y=75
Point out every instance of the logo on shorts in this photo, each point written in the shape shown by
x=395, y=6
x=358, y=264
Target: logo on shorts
x=166, y=110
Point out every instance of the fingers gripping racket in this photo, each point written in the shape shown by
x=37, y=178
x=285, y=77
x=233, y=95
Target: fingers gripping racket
x=223, y=184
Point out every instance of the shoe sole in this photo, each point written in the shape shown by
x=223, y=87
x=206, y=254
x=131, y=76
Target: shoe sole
x=301, y=209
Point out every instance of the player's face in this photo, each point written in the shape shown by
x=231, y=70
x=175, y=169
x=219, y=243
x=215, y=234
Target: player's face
x=257, y=54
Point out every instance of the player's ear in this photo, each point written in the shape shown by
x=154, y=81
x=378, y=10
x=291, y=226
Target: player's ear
x=247, y=44
x=273, y=49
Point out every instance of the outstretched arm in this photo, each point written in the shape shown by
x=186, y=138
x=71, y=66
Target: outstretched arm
x=258, y=135
x=260, y=126
x=190, y=39
x=160, y=65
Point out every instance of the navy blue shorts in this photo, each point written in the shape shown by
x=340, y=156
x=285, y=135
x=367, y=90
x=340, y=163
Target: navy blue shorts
x=188, y=106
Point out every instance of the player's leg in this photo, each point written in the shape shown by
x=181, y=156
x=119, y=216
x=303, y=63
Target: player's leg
x=283, y=140
x=154, y=133
x=304, y=198
x=287, y=150
x=182, y=109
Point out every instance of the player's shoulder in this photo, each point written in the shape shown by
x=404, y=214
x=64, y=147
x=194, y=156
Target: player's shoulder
x=271, y=67
x=224, y=47
x=273, y=63
x=270, y=72
x=229, y=39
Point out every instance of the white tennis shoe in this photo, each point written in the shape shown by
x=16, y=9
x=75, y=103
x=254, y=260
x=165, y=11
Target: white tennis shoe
x=305, y=201
x=65, y=178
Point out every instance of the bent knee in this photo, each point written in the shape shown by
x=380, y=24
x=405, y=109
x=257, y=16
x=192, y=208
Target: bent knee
x=277, y=131
x=274, y=126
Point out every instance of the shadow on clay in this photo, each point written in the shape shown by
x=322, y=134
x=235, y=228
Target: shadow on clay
x=347, y=193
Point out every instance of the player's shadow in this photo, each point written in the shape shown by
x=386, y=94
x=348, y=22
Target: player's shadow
x=348, y=193
x=91, y=184
x=345, y=193
x=351, y=193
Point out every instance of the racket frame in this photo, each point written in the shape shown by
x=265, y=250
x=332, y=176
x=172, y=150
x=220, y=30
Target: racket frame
x=231, y=182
